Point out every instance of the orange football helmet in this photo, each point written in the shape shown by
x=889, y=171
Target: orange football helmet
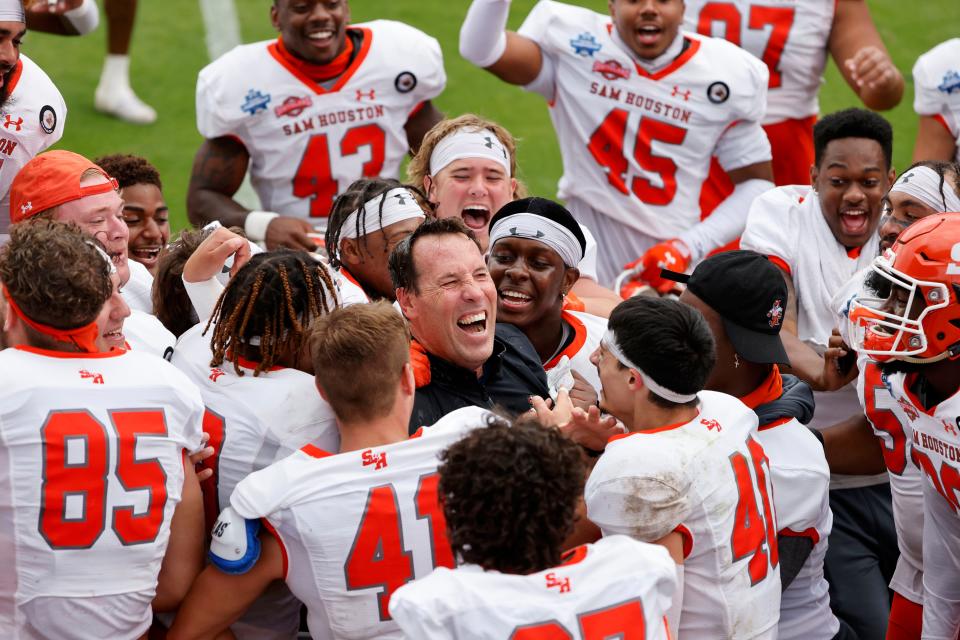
x=920, y=320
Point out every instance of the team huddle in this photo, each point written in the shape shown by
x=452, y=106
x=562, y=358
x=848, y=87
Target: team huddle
x=712, y=395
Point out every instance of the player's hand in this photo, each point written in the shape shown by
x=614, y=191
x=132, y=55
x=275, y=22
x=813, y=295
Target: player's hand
x=871, y=68
x=591, y=429
x=284, y=231
x=202, y=454
x=208, y=260
x=838, y=365
x=52, y=6
x=552, y=413
x=671, y=254
x=582, y=393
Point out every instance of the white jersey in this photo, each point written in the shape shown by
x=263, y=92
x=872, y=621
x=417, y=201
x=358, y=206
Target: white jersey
x=356, y=526
x=637, y=146
x=936, y=80
x=137, y=291
x=709, y=480
x=349, y=290
x=891, y=423
x=787, y=224
x=31, y=120
x=308, y=142
x=144, y=332
x=801, y=482
x=91, y=469
x=616, y=587
x=936, y=451
x=588, y=331
x=790, y=38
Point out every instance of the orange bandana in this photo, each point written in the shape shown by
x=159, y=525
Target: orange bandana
x=84, y=338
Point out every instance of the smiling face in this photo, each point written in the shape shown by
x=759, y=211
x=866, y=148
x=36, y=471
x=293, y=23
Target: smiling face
x=147, y=217
x=101, y=216
x=647, y=26
x=366, y=257
x=472, y=189
x=11, y=34
x=850, y=182
x=453, y=313
x=530, y=279
x=313, y=30
x=110, y=321
x=899, y=210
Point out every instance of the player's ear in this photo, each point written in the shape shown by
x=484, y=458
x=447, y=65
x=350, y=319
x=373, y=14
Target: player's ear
x=513, y=188
x=323, y=394
x=275, y=15
x=891, y=177
x=428, y=188
x=570, y=277
x=408, y=383
x=350, y=251
x=814, y=174
x=405, y=300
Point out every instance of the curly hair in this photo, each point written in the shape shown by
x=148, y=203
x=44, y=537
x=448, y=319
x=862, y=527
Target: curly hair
x=57, y=275
x=509, y=494
x=356, y=195
x=419, y=166
x=269, y=305
x=129, y=170
x=853, y=123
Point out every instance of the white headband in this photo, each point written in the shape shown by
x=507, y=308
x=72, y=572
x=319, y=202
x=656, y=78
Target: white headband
x=466, y=143
x=923, y=183
x=103, y=254
x=11, y=11
x=610, y=344
x=534, y=227
x=398, y=204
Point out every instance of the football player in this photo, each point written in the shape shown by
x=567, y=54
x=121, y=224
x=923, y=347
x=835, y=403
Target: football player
x=639, y=109
x=793, y=39
x=936, y=76
x=912, y=334
x=509, y=495
x=32, y=110
x=344, y=530
x=101, y=512
x=326, y=103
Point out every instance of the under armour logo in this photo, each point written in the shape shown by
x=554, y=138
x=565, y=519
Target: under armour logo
x=8, y=122
x=906, y=178
x=949, y=428
x=684, y=94
x=401, y=199
x=490, y=144
x=26, y=207
x=370, y=95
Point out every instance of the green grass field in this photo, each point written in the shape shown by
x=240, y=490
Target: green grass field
x=169, y=50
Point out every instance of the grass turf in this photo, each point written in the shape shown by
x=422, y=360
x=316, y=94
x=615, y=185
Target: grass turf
x=169, y=50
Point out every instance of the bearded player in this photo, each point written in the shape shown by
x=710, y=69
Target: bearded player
x=325, y=104
x=793, y=38
x=639, y=109
x=913, y=335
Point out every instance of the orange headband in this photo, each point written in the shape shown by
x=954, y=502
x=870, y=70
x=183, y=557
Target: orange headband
x=84, y=338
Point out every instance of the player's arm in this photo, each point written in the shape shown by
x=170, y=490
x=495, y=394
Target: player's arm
x=852, y=448
x=597, y=300
x=485, y=41
x=934, y=141
x=673, y=543
x=941, y=566
x=218, y=599
x=862, y=59
x=793, y=551
x=64, y=18
x=218, y=171
x=184, y=556
x=420, y=123
x=805, y=363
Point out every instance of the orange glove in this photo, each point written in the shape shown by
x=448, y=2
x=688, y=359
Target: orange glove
x=670, y=254
x=420, y=364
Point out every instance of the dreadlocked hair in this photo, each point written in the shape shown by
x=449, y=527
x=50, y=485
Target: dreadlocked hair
x=356, y=195
x=269, y=305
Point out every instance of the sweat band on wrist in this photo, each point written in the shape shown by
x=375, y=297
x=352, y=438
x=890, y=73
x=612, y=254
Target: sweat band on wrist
x=256, y=223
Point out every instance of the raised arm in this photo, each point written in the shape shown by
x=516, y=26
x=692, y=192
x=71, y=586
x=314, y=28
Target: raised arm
x=934, y=141
x=862, y=59
x=485, y=41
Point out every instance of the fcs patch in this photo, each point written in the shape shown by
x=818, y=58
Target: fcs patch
x=255, y=101
x=718, y=92
x=405, y=82
x=48, y=119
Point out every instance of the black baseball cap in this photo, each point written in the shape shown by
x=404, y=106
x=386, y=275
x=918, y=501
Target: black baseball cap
x=749, y=294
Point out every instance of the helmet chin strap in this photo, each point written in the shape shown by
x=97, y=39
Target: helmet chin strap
x=949, y=354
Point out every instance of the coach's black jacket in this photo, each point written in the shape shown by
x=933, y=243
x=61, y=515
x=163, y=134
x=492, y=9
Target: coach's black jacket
x=510, y=376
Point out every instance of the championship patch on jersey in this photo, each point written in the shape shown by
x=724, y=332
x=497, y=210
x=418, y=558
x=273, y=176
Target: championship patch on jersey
x=405, y=82
x=255, y=101
x=585, y=45
x=951, y=82
x=48, y=119
x=292, y=106
x=611, y=70
x=718, y=92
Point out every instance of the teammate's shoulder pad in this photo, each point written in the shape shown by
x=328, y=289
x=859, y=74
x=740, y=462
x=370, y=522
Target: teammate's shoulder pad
x=234, y=545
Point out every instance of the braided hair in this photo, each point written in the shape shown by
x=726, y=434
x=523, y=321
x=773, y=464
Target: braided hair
x=356, y=195
x=269, y=304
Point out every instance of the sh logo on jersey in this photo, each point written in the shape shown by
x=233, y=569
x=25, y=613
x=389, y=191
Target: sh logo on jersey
x=951, y=82
x=370, y=458
x=611, y=70
x=553, y=582
x=908, y=409
x=96, y=378
x=255, y=101
x=585, y=45
x=292, y=106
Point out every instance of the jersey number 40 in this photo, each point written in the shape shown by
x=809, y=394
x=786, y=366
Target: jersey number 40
x=76, y=474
